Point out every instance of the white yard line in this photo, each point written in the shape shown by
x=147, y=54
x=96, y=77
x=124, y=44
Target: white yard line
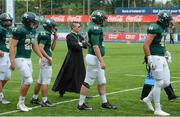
x=73, y=100
x=134, y=75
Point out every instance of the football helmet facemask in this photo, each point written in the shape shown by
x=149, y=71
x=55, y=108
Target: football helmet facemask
x=49, y=25
x=98, y=17
x=5, y=17
x=29, y=17
x=164, y=17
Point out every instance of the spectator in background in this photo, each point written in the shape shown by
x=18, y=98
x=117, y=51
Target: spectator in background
x=72, y=72
x=172, y=31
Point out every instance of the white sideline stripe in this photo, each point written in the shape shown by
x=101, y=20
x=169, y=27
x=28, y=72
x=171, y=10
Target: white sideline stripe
x=63, y=102
x=133, y=75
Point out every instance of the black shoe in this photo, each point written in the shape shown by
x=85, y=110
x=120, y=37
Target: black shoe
x=35, y=101
x=61, y=95
x=108, y=106
x=84, y=107
x=174, y=98
x=89, y=97
x=47, y=104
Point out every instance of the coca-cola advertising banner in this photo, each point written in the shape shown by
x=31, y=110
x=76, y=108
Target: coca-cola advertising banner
x=111, y=18
x=69, y=18
x=121, y=36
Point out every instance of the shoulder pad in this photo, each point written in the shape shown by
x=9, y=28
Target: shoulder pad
x=153, y=29
x=42, y=33
x=95, y=29
x=17, y=30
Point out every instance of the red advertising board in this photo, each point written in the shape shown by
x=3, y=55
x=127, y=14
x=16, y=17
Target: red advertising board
x=69, y=18
x=111, y=18
x=121, y=36
x=131, y=18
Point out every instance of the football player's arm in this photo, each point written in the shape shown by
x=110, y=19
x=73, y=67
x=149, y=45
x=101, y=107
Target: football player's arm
x=12, y=53
x=98, y=55
x=1, y=52
x=53, y=45
x=147, y=44
x=41, y=48
x=95, y=41
x=37, y=51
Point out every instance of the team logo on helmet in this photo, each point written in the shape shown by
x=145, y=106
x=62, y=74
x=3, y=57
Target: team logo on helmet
x=29, y=17
x=164, y=17
x=98, y=17
x=49, y=25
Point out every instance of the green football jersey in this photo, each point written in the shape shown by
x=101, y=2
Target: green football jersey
x=96, y=37
x=25, y=39
x=5, y=34
x=158, y=44
x=45, y=39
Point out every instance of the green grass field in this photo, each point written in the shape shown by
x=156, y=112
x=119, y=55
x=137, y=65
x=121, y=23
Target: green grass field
x=125, y=76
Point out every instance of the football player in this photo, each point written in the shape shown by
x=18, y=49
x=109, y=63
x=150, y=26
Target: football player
x=155, y=51
x=5, y=35
x=95, y=62
x=149, y=83
x=45, y=46
x=24, y=40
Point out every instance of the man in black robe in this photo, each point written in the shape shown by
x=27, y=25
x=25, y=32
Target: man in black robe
x=72, y=72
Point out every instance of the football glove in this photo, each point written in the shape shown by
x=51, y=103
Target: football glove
x=168, y=56
x=150, y=63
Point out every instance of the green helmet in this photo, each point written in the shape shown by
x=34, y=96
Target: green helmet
x=49, y=24
x=98, y=17
x=29, y=17
x=5, y=17
x=164, y=17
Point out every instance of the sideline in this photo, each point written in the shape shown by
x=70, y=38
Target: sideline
x=73, y=100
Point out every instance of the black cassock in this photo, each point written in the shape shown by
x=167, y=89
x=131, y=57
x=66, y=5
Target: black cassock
x=72, y=72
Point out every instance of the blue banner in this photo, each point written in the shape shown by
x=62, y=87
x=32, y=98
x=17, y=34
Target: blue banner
x=120, y=10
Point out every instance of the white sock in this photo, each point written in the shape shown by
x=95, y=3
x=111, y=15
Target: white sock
x=82, y=99
x=44, y=99
x=157, y=106
x=21, y=99
x=35, y=96
x=156, y=97
x=1, y=95
x=103, y=98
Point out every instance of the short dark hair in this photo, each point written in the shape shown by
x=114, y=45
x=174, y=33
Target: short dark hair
x=73, y=24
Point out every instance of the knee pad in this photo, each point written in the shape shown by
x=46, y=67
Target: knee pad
x=158, y=74
x=86, y=85
x=159, y=83
x=166, y=83
x=28, y=81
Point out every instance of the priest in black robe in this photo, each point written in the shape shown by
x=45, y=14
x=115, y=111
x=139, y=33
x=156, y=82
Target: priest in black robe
x=72, y=71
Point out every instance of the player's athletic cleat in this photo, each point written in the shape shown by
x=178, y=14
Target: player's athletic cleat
x=84, y=107
x=22, y=107
x=161, y=113
x=108, y=106
x=4, y=101
x=35, y=101
x=47, y=104
x=148, y=103
x=174, y=98
x=88, y=97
